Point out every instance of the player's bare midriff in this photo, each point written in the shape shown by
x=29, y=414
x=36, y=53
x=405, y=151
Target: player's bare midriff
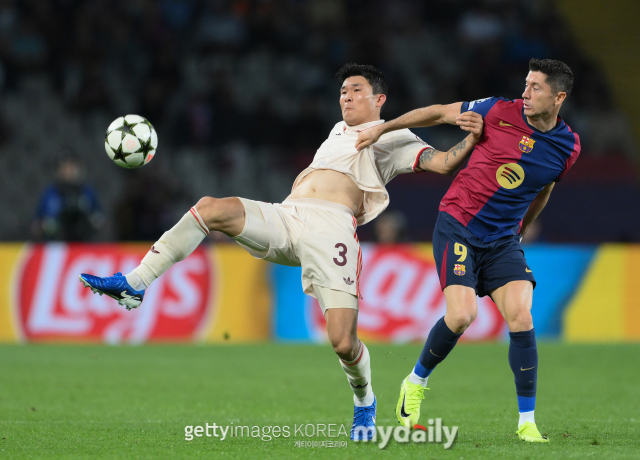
x=330, y=185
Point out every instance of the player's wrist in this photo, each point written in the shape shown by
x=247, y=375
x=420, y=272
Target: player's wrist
x=384, y=128
x=474, y=139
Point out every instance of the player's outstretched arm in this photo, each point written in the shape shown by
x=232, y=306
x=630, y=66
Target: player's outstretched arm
x=419, y=118
x=448, y=162
x=536, y=207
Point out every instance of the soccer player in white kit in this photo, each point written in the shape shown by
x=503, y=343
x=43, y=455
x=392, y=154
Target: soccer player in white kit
x=315, y=227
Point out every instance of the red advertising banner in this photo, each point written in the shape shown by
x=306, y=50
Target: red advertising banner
x=52, y=304
x=402, y=299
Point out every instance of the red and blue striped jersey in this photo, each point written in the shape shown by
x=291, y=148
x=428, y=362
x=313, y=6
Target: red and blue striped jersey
x=507, y=169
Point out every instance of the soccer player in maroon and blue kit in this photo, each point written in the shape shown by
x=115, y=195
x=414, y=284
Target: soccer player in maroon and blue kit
x=526, y=149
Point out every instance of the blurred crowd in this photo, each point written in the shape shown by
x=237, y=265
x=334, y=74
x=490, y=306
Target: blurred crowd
x=249, y=82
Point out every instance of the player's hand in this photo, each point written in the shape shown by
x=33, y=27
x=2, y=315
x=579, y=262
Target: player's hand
x=368, y=137
x=471, y=122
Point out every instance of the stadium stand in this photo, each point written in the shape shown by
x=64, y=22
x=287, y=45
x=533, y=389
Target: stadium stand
x=237, y=88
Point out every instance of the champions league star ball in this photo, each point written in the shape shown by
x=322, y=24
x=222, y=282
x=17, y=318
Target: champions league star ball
x=131, y=141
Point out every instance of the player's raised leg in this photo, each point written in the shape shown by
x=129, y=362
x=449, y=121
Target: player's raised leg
x=514, y=301
x=341, y=313
x=226, y=215
x=462, y=309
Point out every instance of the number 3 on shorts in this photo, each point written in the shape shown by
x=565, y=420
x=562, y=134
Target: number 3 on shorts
x=459, y=250
x=343, y=255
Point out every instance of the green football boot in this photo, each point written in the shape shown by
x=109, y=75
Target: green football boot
x=529, y=432
x=408, y=408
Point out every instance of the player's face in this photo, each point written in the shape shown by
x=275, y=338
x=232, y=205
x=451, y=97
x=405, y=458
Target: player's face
x=539, y=98
x=358, y=103
x=69, y=172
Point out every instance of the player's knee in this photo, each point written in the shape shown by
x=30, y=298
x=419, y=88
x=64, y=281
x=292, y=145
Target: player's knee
x=208, y=209
x=520, y=320
x=459, y=320
x=222, y=214
x=345, y=347
x=214, y=212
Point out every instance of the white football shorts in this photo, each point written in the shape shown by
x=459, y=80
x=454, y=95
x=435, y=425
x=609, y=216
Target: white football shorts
x=317, y=235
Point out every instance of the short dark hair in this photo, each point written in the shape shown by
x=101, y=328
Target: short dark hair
x=369, y=72
x=559, y=75
x=65, y=156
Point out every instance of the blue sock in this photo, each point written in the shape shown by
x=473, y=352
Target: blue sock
x=421, y=370
x=526, y=404
x=523, y=359
x=440, y=342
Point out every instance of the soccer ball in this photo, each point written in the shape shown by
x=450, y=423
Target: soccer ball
x=131, y=141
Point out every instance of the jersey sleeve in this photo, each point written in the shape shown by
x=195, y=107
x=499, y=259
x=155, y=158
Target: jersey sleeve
x=575, y=152
x=407, y=148
x=481, y=106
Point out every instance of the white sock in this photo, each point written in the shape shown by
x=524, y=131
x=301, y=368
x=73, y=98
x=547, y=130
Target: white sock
x=526, y=417
x=172, y=247
x=415, y=378
x=135, y=281
x=359, y=375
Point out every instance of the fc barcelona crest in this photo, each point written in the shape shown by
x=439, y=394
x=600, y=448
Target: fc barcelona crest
x=458, y=269
x=526, y=144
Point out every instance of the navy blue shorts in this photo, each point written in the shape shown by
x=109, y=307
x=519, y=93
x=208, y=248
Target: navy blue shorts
x=464, y=259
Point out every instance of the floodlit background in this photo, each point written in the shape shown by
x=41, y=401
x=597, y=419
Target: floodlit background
x=242, y=93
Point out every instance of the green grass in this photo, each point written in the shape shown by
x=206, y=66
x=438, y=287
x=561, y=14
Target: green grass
x=134, y=402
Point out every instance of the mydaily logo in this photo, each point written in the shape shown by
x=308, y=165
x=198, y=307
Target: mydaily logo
x=433, y=433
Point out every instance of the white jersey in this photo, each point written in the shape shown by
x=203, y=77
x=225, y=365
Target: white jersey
x=372, y=168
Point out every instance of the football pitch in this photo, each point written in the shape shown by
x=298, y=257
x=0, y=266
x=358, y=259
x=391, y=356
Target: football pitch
x=65, y=401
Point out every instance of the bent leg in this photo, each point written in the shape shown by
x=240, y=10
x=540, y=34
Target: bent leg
x=514, y=301
x=462, y=309
x=342, y=326
x=225, y=215
x=341, y=313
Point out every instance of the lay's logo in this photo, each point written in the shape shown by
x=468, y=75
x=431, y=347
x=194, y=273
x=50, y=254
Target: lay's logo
x=401, y=299
x=53, y=305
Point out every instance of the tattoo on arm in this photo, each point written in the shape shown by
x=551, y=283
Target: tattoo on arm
x=455, y=150
x=426, y=156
